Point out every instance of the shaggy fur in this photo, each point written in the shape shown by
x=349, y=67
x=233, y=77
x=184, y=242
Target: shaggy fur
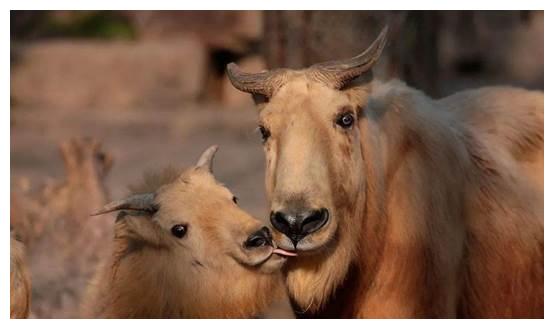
x=20, y=282
x=436, y=205
x=205, y=274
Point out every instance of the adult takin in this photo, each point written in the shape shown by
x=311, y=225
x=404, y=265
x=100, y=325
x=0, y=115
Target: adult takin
x=186, y=250
x=399, y=205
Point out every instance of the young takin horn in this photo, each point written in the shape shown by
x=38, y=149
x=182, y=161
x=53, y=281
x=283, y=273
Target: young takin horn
x=139, y=202
x=206, y=160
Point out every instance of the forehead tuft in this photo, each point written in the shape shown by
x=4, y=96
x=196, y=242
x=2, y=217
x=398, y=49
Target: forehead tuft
x=200, y=180
x=153, y=180
x=301, y=84
x=302, y=95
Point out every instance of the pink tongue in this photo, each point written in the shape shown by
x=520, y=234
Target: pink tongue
x=283, y=252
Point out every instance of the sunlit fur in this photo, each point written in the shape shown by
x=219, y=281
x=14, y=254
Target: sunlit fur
x=20, y=282
x=153, y=274
x=436, y=206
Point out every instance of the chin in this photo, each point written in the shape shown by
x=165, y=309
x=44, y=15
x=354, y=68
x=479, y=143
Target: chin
x=262, y=260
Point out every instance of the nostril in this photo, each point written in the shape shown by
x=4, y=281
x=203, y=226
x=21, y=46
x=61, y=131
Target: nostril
x=280, y=222
x=258, y=239
x=314, y=221
x=266, y=232
x=254, y=242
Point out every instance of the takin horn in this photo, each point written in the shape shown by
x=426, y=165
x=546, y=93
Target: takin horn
x=263, y=83
x=334, y=73
x=140, y=202
x=339, y=73
x=206, y=160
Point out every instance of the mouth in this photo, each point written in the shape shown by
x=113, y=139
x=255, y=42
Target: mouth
x=278, y=254
x=262, y=239
x=271, y=259
x=283, y=252
x=304, y=247
x=261, y=251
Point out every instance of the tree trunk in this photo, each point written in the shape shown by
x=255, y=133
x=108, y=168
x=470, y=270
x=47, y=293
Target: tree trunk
x=297, y=39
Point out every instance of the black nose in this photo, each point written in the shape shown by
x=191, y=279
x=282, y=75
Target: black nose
x=297, y=225
x=261, y=237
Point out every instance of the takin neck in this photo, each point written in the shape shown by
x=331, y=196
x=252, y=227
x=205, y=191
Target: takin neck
x=127, y=288
x=327, y=285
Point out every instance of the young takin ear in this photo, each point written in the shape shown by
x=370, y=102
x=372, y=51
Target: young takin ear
x=135, y=230
x=207, y=159
x=259, y=99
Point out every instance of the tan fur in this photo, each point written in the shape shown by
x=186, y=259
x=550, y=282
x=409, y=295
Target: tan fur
x=20, y=282
x=497, y=113
x=153, y=274
x=436, y=205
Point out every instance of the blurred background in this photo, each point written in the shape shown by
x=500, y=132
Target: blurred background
x=148, y=89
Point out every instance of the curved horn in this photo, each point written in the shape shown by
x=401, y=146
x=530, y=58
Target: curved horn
x=206, y=160
x=141, y=202
x=338, y=73
x=263, y=83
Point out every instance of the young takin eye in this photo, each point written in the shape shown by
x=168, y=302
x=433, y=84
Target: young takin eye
x=179, y=230
x=264, y=132
x=235, y=199
x=345, y=120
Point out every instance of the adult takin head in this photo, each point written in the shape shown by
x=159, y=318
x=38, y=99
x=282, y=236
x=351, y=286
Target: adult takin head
x=360, y=178
x=187, y=250
x=309, y=122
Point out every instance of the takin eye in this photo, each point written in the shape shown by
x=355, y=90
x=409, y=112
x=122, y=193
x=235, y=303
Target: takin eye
x=264, y=132
x=345, y=120
x=179, y=230
x=235, y=200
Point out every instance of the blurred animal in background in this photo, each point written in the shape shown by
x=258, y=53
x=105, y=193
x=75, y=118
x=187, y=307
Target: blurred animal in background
x=184, y=249
x=20, y=281
x=22, y=209
x=86, y=166
x=399, y=205
x=64, y=245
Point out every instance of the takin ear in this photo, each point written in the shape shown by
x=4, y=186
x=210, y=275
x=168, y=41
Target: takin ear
x=138, y=202
x=259, y=99
x=206, y=160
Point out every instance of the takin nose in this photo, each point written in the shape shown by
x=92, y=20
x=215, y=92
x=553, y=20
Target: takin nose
x=297, y=225
x=260, y=238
